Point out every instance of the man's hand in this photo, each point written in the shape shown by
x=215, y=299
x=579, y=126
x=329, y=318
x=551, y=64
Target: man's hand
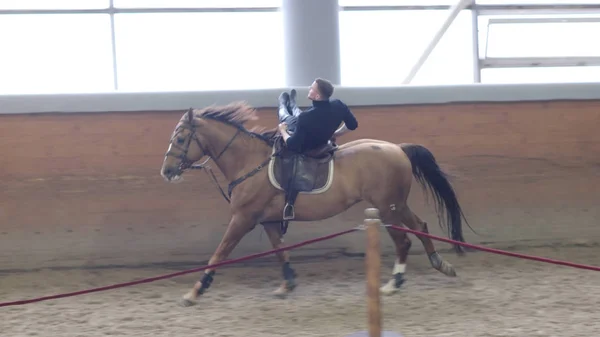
x=341, y=131
x=282, y=127
x=283, y=130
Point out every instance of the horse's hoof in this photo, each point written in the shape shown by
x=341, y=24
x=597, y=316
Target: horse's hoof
x=280, y=293
x=389, y=289
x=184, y=302
x=447, y=269
x=285, y=289
x=188, y=300
x=290, y=285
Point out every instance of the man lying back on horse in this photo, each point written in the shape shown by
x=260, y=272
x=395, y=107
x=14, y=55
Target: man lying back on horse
x=303, y=131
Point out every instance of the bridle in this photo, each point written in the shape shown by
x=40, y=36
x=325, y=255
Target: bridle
x=186, y=163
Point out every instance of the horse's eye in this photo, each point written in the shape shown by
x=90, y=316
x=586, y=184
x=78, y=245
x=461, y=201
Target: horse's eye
x=180, y=141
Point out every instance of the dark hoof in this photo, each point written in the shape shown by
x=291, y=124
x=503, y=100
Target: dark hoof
x=186, y=303
x=291, y=285
x=447, y=269
x=286, y=288
x=389, y=288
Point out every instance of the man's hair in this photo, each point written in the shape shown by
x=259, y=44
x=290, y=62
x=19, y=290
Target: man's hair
x=325, y=87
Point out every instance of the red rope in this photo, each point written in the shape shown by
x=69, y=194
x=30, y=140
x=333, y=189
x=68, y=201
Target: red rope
x=274, y=251
x=156, y=278
x=497, y=251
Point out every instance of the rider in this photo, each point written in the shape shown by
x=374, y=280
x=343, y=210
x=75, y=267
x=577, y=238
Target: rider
x=303, y=131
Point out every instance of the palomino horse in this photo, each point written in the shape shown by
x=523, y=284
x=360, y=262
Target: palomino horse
x=375, y=171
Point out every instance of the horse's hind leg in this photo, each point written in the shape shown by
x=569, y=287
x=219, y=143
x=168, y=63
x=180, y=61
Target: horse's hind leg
x=275, y=235
x=412, y=221
x=402, y=243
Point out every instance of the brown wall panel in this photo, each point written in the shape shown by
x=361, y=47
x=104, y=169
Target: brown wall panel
x=84, y=189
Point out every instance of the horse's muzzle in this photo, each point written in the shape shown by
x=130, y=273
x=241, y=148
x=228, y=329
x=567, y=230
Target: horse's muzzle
x=171, y=173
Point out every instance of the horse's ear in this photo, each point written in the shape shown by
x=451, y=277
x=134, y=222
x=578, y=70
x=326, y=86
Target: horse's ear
x=190, y=115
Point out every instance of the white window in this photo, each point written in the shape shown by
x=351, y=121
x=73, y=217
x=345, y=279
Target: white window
x=196, y=3
x=540, y=39
x=51, y=53
x=199, y=51
x=374, y=3
x=538, y=42
x=536, y=2
x=53, y=4
x=541, y=75
x=379, y=48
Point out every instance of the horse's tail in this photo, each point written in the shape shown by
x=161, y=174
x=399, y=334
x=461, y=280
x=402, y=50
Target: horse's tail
x=428, y=173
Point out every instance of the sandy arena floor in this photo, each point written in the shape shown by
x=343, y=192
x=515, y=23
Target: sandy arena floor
x=492, y=296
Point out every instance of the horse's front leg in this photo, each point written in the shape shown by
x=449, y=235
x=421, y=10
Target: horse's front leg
x=273, y=230
x=239, y=226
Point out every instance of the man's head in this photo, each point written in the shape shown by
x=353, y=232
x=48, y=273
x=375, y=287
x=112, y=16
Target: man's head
x=320, y=90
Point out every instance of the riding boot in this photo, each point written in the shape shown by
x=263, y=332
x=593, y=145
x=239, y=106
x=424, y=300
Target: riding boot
x=284, y=99
x=295, y=110
x=292, y=99
x=291, y=191
x=283, y=114
x=284, y=107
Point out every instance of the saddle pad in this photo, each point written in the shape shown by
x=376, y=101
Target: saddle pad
x=323, y=178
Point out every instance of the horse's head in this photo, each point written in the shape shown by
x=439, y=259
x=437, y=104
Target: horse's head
x=185, y=148
x=211, y=132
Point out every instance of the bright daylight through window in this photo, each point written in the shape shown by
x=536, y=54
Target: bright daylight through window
x=97, y=49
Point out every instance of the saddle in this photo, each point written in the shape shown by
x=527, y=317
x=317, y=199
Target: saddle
x=310, y=172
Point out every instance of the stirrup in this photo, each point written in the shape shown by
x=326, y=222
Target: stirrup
x=289, y=210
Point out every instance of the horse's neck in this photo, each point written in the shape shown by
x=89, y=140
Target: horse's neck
x=242, y=153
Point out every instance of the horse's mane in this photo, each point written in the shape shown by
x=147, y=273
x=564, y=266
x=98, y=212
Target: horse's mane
x=237, y=114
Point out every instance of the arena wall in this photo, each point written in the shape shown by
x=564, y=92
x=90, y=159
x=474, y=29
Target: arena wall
x=80, y=183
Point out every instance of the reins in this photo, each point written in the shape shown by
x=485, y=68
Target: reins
x=204, y=165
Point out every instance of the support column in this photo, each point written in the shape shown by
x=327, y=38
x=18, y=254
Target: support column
x=311, y=40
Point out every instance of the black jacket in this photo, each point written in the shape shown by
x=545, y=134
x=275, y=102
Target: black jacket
x=317, y=125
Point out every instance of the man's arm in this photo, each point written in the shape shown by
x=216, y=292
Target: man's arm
x=341, y=131
x=350, y=122
x=349, y=118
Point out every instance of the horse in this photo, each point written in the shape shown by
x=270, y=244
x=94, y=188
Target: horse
x=251, y=160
